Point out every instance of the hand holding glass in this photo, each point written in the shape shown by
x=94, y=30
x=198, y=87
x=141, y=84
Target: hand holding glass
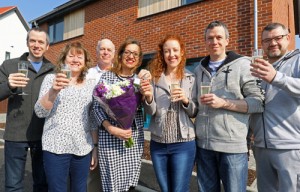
x=23, y=68
x=205, y=88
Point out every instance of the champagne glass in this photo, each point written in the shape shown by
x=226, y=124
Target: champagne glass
x=205, y=88
x=174, y=85
x=65, y=69
x=23, y=68
x=257, y=54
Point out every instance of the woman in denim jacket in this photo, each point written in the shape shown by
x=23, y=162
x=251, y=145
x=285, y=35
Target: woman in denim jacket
x=172, y=143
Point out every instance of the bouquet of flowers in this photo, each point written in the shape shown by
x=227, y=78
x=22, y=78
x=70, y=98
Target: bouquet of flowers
x=120, y=101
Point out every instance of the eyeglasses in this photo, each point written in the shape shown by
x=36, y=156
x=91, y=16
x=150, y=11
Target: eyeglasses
x=277, y=39
x=128, y=53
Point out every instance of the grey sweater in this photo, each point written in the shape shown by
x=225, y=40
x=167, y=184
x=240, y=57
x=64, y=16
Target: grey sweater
x=278, y=127
x=224, y=130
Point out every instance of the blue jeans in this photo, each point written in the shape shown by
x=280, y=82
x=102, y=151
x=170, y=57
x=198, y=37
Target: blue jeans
x=59, y=167
x=230, y=168
x=15, y=160
x=173, y=164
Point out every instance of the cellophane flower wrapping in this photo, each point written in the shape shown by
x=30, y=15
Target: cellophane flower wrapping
x=120, y=101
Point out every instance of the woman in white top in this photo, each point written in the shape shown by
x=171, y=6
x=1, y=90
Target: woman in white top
x=70, y=137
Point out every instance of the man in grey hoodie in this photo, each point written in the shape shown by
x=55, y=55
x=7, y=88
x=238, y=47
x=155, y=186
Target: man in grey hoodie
x=221, y=134
x=277, y=129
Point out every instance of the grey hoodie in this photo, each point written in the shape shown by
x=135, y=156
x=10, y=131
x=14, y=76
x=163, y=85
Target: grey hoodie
x=278, y=126
x=224, y=130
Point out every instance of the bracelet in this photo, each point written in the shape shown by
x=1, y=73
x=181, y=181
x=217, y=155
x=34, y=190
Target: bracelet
x=95, y=144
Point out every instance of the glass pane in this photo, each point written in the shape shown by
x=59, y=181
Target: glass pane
x=51, y=33
x=7, y=55
x=188, y=1
x=59, y=31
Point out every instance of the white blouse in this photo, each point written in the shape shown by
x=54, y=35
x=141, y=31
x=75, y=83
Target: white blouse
x=68, y=124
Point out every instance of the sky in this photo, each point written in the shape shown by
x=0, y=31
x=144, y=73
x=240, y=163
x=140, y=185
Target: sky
x=31, y=9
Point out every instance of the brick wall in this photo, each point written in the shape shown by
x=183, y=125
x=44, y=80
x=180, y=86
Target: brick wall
x=117, y=19
x=3, y=106
x=3, y=109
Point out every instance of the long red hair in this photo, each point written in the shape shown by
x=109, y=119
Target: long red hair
x=158, y=65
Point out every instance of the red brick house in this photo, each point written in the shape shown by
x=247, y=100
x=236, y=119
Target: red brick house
x=88, y=21
x=149, y=20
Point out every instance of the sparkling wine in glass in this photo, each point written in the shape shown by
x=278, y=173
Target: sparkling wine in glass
x=65, y=69
x=23, y=68
x=257, y=54
x=205, y=88
x=173, y=87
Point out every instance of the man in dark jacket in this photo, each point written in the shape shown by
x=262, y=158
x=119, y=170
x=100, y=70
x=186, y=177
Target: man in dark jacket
x=24, y=129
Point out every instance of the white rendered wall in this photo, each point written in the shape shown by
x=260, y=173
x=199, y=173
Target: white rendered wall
x=12, y=36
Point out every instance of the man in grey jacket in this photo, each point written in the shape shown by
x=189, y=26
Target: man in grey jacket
x=277, y=129
x=24, y=129
x=221, y=134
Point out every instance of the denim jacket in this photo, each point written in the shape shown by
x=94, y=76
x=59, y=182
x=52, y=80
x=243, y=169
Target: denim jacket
x=161, y=101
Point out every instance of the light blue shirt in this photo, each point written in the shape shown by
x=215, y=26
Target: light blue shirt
x=36, y=65
x=214, y=65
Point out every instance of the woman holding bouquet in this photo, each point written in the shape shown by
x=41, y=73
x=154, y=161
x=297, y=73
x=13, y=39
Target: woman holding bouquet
x=69, y=137
x=172, y=144
x=120, y=166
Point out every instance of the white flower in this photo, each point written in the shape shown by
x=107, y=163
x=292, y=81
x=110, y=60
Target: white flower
x=115, y=90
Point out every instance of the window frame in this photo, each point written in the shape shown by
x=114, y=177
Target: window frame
x=52, y=34
x=7, y=55
x=150, y=7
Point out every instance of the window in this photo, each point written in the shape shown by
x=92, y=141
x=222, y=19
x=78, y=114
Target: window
x=184, y=2
x=146, y=59
x=148, y=7
x=69, y=27
x=56, y=31
x=7, y=55
x=192, y=63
